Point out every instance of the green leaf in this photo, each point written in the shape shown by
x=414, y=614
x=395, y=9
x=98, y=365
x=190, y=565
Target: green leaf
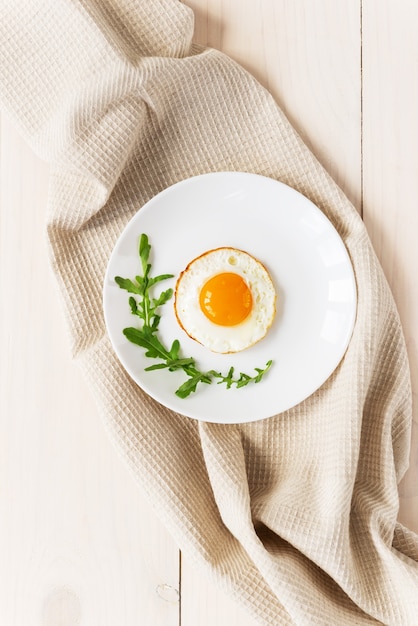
x=162, y=298
x=127, y=284
x=175, y=364
x=134, y=335
x=175, y=349
x=190, y=385
x=157, y=366
x=142, y=284
x=155, y=323
x=141, y=311
x=144, y=252
x=158, y=279
x=262, y=372
x=214, y=374
x=243, y=380
x=147, y=340
x=133, y=305
x=171, y=364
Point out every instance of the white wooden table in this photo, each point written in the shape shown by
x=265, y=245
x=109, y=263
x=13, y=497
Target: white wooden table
x=78, y=542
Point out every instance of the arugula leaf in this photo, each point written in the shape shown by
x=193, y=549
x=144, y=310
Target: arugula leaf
x=144, y=253
x=171, y=364
x=143, y=305
x=243, y=379
x=133, y=305
x=128, y=284
x=262, y=372
x=146, y=339
x=157, y=279
x=190, y=385
x=162, y=299
x=175, y=349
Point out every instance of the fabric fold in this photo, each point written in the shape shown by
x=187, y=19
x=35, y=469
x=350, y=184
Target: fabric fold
x=295, y=516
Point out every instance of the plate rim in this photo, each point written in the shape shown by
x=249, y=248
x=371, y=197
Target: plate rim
x=149, y=390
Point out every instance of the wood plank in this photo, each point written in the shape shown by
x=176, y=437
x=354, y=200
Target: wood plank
x=204, y=604
x=307, y=54
x=78, y=542
x=390, y=173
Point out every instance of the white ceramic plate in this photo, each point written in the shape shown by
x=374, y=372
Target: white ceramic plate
x=306, y=259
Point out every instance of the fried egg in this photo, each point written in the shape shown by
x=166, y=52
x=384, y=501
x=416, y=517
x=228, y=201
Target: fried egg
x=225, y=300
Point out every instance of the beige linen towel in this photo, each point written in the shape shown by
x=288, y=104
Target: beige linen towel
x=294, y=515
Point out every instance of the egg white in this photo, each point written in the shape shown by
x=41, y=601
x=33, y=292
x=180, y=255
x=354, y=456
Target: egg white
x=225, y=339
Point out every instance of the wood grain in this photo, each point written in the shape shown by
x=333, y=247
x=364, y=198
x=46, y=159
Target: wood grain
x=79, y=543
x=390, y=178
x=308, y=55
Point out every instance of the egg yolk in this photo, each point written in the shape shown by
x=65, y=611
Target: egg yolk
x=226, y=299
